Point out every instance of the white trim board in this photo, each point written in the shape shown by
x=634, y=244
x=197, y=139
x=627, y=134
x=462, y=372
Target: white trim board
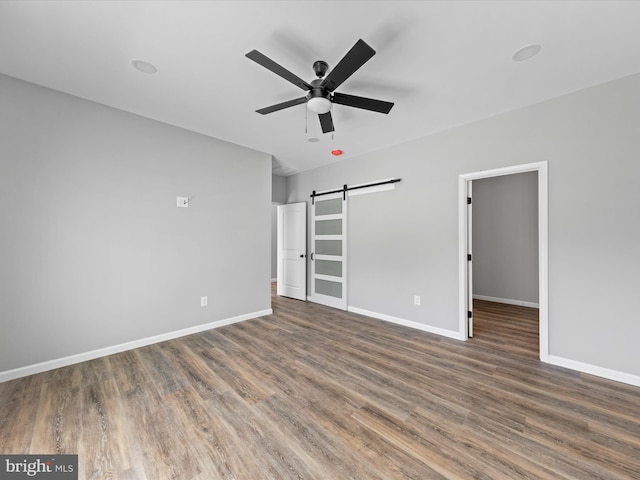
x=595, y=370
x=406, y=323
x=509, y=301
x=143, y=342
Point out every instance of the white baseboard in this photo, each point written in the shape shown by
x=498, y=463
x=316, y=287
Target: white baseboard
x=595, y=370
x=553, y=359
x=520, y=303
x=103, y=352
x=407, y=323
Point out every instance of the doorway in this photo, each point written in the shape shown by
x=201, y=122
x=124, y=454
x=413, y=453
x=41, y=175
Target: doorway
x=465, y=216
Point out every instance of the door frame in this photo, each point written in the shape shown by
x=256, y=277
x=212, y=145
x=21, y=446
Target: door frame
x=470, y=262
x=543, y=247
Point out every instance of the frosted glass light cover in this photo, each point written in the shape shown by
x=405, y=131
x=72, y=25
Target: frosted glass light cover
x=319, y=104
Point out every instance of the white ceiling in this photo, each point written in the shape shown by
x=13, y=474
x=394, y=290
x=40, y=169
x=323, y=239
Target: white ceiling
x=443, y=63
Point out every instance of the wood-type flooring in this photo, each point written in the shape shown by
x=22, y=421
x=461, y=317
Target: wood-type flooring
x=315, y=393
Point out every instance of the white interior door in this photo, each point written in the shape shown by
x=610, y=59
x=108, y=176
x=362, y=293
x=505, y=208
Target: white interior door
x=469, y=260
x=292, y=250
x=329, y=251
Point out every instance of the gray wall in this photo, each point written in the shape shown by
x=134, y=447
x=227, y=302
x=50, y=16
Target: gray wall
x=505, y=237
x=405, y=242
x=278, y=189
x=94, y=251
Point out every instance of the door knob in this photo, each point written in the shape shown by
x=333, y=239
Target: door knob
x=302, y=255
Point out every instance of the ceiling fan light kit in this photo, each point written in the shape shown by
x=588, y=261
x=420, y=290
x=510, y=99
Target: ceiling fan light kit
x=318, y=103
x=320, y=95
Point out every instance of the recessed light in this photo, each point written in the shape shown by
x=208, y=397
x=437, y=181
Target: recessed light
x=144, y=67
x=525, y=53
x=313, y=140
x=336, y=153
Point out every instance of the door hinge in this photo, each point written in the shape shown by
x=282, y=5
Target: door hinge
x=468, y=257
x=469, y=314
x=468, y=200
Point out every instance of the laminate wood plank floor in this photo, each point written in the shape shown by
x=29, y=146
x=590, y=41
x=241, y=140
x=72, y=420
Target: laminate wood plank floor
x=316, y=393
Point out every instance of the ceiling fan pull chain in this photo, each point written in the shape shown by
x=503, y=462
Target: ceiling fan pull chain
x=306, y=120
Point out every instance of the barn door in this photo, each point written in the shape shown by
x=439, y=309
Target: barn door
x=329, y=250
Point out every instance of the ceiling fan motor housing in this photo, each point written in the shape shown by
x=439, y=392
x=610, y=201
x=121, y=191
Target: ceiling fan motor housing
x=320, y=68
x=318, y=91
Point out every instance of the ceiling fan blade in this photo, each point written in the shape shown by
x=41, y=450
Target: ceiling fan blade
x=326, y=122
x=281, y=106
x=362, y=102
x=359, y=54
x=269, y=64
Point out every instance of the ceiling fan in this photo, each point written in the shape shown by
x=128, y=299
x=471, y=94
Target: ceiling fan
x=321, y=96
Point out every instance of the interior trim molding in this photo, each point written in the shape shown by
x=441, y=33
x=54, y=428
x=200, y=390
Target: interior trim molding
x=607, y=373
x=406, y=323
x=464, y=181
x=143, y=342
x=508, y=301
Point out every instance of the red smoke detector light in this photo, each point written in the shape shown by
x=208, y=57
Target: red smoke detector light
x=337, y=153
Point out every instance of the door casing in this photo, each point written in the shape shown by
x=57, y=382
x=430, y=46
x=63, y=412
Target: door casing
x=543, y=248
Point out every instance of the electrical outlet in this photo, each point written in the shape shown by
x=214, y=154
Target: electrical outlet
x=182, y=202
x=203, y=301
x=416, y=299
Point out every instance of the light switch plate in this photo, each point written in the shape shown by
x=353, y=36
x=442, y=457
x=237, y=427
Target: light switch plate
x=182, y=202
